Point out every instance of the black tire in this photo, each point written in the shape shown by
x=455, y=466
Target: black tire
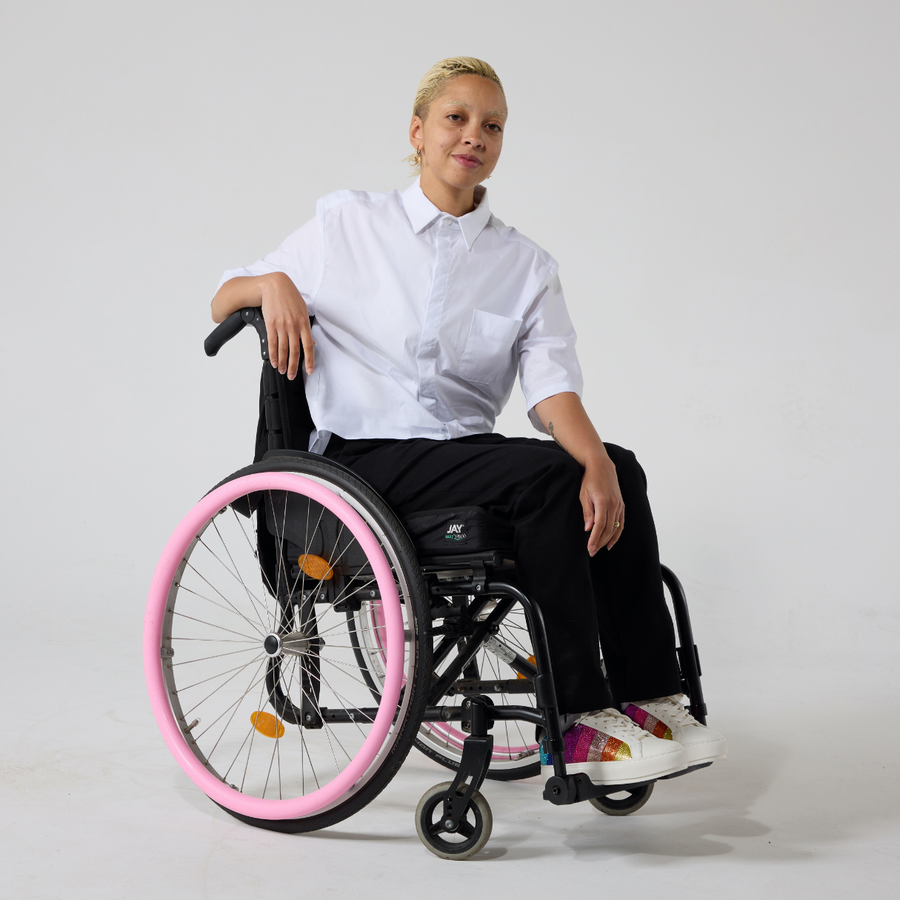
x=473, y=831
x=623, y=806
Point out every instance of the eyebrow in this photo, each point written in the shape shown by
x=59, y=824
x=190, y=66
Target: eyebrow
x=491, y=112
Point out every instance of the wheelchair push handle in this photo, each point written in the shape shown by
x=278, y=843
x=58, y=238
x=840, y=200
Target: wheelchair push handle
x=235, y=323
x=225, y=331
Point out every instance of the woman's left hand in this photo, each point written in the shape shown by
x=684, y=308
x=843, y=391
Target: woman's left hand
x=601, y=500
x=602, y=504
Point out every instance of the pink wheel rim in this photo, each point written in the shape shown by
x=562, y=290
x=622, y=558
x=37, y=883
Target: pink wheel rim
x=169, y=562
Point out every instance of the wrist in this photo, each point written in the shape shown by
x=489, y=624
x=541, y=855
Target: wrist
x=597, y=458
x=268, y=284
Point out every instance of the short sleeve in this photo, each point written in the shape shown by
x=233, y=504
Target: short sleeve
x=548, y=364
x=301, y=257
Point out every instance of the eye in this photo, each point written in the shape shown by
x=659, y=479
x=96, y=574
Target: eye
x=495, y=126
x=454, y=116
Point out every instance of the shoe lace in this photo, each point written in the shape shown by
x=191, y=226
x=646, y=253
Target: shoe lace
x=675, y=710
x=613, y=720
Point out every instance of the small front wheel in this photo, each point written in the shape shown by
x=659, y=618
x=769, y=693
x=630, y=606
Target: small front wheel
x=471, y=834
x=624, y=805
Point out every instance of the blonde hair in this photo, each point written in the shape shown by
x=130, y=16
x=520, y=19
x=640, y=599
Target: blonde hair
x=436, y=79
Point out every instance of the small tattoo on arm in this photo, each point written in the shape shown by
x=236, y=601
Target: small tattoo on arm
x=553, y=435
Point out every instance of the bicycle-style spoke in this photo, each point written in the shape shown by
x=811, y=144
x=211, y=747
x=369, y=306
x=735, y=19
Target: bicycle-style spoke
x=227, y=608
x=255, y=679
x=200, y=659
x=182, y=637
x=182, y=615
x=206, y=680
x=344, y=665
x=343, y=700
x=253, y=732
x=264, y=580
x=340, y=624
x=210, y=584
x=505, y=699
x=197, y=705
x=254, y=601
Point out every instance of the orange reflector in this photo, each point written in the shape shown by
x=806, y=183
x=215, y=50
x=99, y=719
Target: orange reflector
x=316, y=567
x=267, y=725
x=533, y=661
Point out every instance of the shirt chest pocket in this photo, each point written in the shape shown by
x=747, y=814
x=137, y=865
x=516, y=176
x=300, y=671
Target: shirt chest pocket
x=487, y=353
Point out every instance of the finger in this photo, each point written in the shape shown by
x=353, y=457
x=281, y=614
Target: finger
x=309, y=345
x=599, y=527
x=605, y=531
x=293, y=357
x=587, y=510
x=595, y=541
x=284, y=350
x=618, y=528
x=272, y=342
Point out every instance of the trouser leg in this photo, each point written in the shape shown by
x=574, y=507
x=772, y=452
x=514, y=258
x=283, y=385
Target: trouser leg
x=534, y=486
x=636, y=630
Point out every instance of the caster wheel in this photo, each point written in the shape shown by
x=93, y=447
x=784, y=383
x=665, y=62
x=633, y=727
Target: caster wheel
x=470, y=836
x=624, y=805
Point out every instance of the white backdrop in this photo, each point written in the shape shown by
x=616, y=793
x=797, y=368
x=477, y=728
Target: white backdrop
x=718, y=181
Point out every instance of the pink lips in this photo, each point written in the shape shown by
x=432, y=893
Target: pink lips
x=470, y=162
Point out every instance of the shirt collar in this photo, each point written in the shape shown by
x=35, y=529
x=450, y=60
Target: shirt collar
x=422, y=212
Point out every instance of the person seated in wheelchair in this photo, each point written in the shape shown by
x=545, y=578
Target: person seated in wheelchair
x=426, y=307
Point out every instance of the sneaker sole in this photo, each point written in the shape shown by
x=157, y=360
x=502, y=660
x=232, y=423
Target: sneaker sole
x=627, y=771
x=708, y=751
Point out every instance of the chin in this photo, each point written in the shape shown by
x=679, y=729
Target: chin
x=467, y=179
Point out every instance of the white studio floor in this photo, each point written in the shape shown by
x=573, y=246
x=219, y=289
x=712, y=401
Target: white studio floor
x=94, y=806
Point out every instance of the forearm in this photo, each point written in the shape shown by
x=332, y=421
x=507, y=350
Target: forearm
x=237, y=293
x=601, y=499
x=569, y=425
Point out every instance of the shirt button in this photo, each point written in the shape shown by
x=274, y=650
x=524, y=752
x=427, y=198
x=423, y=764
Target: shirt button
x=448, y=223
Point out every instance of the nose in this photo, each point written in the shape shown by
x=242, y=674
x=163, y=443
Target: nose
x=472, y=136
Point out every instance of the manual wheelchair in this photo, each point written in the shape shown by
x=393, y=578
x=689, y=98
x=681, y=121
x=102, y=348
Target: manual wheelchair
x=299, y=640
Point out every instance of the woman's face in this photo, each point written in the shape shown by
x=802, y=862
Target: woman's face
x=462, y=133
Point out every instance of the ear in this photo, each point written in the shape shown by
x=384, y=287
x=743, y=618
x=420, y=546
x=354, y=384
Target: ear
x=416, y=132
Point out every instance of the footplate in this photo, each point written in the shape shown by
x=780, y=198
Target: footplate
x=562, y=790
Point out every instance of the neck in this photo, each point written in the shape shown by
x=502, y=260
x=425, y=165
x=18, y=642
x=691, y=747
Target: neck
x=454, y=201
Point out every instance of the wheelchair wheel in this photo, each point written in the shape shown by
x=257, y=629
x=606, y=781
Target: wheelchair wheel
x=618, y=805
x=248, y=646
x=470, y=837
x=516, y=753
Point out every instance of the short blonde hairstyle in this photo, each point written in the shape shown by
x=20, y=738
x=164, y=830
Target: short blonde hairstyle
x=436, y=79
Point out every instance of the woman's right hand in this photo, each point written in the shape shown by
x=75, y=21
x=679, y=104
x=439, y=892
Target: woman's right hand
x=287, y=325
x=285, y=312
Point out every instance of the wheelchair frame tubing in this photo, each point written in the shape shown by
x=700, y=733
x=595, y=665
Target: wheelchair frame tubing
x=688, y=655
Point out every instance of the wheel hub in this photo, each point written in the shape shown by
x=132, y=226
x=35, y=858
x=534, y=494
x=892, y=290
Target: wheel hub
x=297, y=643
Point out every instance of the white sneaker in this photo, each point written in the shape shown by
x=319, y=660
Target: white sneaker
x=610, y=749
x=667, y=719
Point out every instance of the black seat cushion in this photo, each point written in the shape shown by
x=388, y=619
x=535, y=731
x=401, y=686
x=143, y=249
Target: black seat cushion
x=444, y=532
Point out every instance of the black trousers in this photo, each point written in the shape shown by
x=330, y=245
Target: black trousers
x=616, y=596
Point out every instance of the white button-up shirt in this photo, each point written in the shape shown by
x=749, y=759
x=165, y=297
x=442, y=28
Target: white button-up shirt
x=422, y=318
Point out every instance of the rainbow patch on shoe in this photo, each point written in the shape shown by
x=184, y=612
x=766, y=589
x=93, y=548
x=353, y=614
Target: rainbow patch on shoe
x=546, y=759
x=586, y=744
x=655, y=726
